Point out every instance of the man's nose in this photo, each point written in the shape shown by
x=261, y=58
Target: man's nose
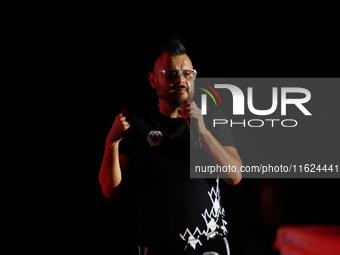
x=180, y=78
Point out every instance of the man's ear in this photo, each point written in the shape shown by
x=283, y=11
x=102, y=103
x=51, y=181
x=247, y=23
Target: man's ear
x=152, y=79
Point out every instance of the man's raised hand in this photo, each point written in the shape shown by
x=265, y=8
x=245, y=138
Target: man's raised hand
x=120, y=125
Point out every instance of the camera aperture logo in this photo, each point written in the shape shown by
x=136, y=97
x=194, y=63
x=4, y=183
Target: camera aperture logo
x=238, y=105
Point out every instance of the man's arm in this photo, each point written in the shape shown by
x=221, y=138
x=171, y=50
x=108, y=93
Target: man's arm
x=114, y=165
x=218, y=154
x=223, y=156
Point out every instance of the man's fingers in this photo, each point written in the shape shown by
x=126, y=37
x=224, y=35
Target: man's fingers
x=128, y=115
x=125, y=123
x=119, y=126
x=126, y=126
x=190, y=110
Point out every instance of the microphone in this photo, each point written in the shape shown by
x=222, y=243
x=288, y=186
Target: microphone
x=193, y=131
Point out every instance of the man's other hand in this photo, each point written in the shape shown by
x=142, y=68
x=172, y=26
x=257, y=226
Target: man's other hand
x=120, y=125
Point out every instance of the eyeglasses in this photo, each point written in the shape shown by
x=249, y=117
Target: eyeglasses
x=172, y=74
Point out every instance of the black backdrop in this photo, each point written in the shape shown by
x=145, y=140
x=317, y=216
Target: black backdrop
x=74, y=66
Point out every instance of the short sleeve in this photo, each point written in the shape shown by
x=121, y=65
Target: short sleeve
x=222, y=132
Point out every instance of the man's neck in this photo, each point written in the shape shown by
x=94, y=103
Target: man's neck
x=170, y=111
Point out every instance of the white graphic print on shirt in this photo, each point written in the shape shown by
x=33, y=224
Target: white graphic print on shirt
x=213, y=220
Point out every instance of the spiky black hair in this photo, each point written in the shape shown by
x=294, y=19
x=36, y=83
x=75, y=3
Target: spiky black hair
x=175, y=47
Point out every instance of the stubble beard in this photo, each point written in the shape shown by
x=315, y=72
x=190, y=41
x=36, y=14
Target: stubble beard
x=177, y=101
x=171, y=99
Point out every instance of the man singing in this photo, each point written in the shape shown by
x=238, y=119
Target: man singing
x=149, y=154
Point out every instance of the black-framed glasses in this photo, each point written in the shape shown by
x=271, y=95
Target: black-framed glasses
x=172, y=74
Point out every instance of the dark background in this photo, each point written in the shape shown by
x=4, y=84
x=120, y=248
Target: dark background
x=74, y=66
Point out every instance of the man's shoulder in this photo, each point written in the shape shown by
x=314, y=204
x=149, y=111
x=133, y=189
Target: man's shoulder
x=145, y=112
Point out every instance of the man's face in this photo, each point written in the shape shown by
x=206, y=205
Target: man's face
x=176, y=90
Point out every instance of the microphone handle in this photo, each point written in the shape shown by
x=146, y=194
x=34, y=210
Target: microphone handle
x=196, y=143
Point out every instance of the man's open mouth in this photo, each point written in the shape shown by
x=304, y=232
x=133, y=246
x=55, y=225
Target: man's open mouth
x=180, y=89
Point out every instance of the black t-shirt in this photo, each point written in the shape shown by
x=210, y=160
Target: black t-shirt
x=172, y=209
